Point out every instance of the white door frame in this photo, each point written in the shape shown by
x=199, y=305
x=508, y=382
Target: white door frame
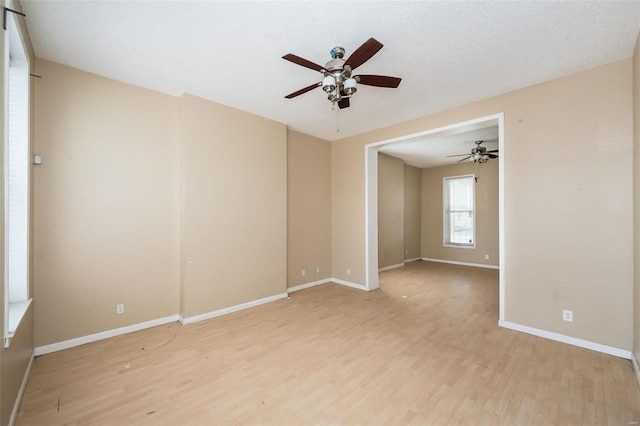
x=371, y=199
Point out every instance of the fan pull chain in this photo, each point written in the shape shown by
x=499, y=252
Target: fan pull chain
x=338, y=120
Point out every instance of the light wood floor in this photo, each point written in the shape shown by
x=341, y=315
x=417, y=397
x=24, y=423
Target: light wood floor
x=424, y=349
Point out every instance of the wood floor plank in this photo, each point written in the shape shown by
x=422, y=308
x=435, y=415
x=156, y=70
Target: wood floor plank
x=423, y=349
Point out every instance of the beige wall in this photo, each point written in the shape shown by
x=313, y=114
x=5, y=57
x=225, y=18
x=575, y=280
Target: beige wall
x=412, y=212
x=234, y=174
x=567, y=215
x=347, y=214
x=390, y=211
x=399, y=206
x=486, y=213
x=636, y=198
x=105, y=204
x=14, y=359
x=308, y=208
x=151, y=201
x=124, y=171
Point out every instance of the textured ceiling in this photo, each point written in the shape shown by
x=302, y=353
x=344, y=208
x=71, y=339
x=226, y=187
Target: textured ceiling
x=433, y=150
x=447, y=53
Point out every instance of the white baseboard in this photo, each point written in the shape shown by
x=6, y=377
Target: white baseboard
x=223, y=311
x=349, y=284
x=454, y=262
x=636, y=369
x=325, y=281
x=23, y=387
x=567, y=339
x=308, y=285
x=411, y=260
x=54, y=347
x=386, y=268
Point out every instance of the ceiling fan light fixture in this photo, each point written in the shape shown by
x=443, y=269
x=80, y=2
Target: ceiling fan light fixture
x=337, y=80
x=350, y=86
x=479, y=154
x=329, y=84
x=479, y=158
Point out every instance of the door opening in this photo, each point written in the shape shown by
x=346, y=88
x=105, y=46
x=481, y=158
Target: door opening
x=474, y=126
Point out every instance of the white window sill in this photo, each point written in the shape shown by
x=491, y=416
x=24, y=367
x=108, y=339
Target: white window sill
x=472, y=246
x=16, y=313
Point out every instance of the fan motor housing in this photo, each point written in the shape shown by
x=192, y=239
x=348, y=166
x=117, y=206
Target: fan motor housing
x=335, y=65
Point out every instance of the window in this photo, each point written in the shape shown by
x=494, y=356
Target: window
x=459, y=211
x=16, y=179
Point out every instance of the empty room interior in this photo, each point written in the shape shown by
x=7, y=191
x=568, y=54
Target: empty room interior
x=320, y=212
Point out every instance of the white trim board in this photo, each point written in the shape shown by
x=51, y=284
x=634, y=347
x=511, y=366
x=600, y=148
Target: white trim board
x=23, y=387
x=412, y=260
x=308, y=285
x=386, y=268
x=454, y=262
x=54, y=347
x=371, y=218
x=326, y=281
x=502, y=285
x=621, y=353
x=16, y=312
x=636, y=368
x=223, y=311
x=349, y=284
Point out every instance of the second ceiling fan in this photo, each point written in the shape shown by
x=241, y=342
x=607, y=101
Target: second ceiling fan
x=479, y=154
x=338, y=81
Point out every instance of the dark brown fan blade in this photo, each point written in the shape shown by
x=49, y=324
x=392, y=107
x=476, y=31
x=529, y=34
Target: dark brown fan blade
x=458, y=155
x=343, y=103
x=378, y=80
x=492, y=156
x=305, y=90
x=303, y=62
x=363, y=53
x=466, y=158
x=493, y=150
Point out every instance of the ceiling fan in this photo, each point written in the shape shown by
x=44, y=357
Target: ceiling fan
x=338, y=82
x=478, y=155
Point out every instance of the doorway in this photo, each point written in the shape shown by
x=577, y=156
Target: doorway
x=371, y=192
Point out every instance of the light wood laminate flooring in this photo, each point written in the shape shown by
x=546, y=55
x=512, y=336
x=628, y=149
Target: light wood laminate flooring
x=424, y=349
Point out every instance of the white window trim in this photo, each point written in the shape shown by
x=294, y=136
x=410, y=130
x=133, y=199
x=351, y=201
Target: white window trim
x=445, y=213
x=15, y=314
x=15, y=311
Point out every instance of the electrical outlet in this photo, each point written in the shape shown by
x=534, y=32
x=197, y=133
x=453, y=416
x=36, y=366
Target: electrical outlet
x=120, y=309
x=317, y=269
x=567, y=315
x=303, y=272
x=486, y=257
x=348, y=271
